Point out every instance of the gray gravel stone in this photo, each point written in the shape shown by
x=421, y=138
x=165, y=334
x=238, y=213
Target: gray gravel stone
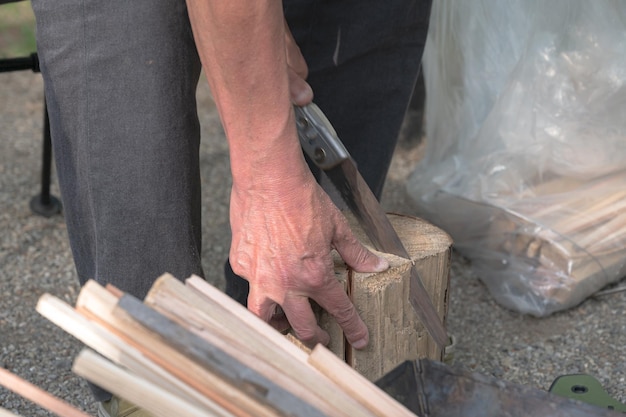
x=35, y=259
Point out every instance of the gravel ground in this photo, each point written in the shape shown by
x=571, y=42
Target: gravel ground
x=35, y=259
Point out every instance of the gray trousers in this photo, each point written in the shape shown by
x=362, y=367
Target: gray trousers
x=120, y=80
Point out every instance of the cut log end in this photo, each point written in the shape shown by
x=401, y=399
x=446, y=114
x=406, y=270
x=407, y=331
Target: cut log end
x=396, y=333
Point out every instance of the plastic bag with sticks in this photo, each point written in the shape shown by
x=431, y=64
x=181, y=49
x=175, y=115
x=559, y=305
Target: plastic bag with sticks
x=525, y=162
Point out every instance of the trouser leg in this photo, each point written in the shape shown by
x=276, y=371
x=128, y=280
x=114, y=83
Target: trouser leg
x=120, y=79
x=363, y=58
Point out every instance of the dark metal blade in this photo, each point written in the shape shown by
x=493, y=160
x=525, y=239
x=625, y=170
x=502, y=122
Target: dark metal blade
x=373, y=219
x=321, y=143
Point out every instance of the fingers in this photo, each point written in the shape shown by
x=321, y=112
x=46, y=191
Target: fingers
x=357, y=256
x=299, y=314
x=289, y=262
x=303, y=321
x=296, y=312
x=300, y=91
x=337, y=303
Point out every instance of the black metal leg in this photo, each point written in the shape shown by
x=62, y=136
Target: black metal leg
x=45, y=204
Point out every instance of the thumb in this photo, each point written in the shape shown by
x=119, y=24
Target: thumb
x=357, y=256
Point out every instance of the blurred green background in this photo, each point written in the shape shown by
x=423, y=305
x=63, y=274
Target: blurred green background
x=17, y=30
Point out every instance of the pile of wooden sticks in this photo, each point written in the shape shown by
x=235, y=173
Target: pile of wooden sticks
x=572, y=232
x=189, y=350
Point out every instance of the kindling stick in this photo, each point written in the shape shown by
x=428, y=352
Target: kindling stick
x=35, y=394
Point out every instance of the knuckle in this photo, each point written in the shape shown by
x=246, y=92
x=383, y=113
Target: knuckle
x=240, y=263
x=317, y=278
x=316, y=283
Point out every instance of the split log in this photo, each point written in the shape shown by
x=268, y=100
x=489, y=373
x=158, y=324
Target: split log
x=215, y=317
x=208, y=382
x=256, y=386
x=396, y=333
x=120, y=382
x=115, y=348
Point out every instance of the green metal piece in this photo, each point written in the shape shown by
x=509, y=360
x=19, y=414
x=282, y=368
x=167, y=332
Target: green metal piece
x=587, y=389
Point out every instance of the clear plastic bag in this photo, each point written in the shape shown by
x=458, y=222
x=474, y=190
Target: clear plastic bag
x=525, y=162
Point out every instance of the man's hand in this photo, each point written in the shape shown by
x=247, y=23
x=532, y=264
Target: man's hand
x=284, y=226
x=283, y=234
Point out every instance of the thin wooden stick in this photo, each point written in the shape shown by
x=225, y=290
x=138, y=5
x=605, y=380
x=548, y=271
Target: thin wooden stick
x=591, y=215
x=608, y=237
x=35, y=394
x=610, y=291
x=137, y=390
x=217, y=299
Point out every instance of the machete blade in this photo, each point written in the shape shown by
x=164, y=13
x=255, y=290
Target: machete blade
x=374, y=221
x=323, y=146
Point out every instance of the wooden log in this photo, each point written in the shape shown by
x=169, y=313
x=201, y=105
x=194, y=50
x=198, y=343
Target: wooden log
x=396, y=333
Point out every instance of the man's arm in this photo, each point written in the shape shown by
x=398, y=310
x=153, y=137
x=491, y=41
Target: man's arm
x=283, y=224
